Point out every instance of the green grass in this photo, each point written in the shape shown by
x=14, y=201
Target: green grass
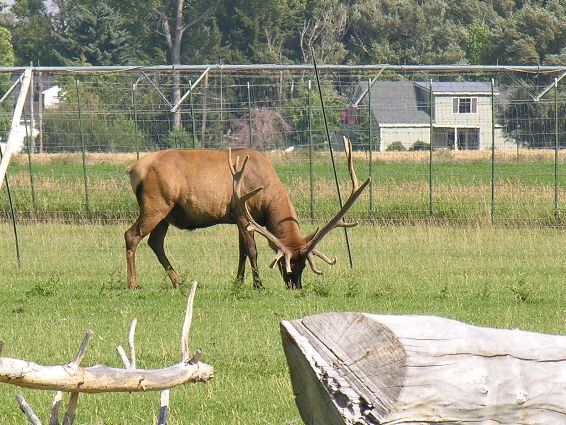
x=72, y=278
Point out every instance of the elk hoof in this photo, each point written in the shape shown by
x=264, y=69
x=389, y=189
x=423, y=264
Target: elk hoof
x=175, y=278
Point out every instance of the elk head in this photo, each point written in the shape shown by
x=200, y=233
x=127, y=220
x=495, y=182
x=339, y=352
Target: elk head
x=292, y=261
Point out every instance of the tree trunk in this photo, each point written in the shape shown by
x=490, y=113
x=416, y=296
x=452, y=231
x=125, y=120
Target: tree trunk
x=353, y=368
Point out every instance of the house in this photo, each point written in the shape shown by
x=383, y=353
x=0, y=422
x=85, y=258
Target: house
x=461, y=115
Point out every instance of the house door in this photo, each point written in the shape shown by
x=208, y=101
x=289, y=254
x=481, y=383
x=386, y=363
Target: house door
x=469, y=138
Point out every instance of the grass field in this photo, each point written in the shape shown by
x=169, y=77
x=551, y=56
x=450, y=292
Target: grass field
x=461, y=184
x=72, y=278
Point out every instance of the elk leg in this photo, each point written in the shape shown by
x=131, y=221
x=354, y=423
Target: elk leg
x=251, y=252
x=143, y=225
x=243, y=257
x=155, y=241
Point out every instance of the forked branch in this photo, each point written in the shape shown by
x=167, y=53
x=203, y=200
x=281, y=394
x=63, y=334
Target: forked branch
x=75, y=379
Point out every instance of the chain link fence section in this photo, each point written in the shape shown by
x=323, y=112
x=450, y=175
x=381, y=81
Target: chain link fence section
x=443, y=144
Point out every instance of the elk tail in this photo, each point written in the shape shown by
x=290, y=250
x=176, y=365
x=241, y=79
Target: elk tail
x=136, y=181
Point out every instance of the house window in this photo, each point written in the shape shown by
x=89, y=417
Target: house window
x=465, y=105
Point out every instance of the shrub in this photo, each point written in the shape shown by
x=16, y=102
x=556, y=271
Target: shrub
x=179, y=138
x=419, y=145
x=396, y=147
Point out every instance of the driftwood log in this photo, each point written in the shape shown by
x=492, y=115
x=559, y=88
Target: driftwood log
x=354, y=368
x=74, y=379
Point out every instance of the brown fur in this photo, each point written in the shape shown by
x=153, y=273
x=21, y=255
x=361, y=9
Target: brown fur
x=193, y=189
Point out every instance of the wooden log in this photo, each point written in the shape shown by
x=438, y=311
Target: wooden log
x=355, y=368
x=100, y=378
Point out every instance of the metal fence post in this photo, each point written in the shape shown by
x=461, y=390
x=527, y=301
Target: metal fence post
x=83, y=148
x=134, y=104
x=556, y=148
x=431, y=107
x=250, y=114
x=29, y=148
x=194, y=121
x=492, y=151
x=311, y=170
x=370, y=147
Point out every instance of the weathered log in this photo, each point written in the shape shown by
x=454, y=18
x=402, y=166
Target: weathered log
x=100, y=378
x=354, y=368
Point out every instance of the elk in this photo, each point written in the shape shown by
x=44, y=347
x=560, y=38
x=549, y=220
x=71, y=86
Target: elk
x=193, y=189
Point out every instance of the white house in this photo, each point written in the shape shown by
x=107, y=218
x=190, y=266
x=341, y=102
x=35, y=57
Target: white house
x=461, y=114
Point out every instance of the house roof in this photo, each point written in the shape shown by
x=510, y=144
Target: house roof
x=446, y=87
x=394, y=102
x=406, y=102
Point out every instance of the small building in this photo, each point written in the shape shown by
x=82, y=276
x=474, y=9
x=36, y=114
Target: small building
x=460, y=114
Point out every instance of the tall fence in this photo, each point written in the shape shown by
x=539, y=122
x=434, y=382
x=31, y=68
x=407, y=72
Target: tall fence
x=443, y=144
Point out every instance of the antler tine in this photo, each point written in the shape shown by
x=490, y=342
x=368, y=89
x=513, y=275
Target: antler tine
x=338, y=220
x=252, y=225
x=348, y=151
x=310, y=260
x=326, y=259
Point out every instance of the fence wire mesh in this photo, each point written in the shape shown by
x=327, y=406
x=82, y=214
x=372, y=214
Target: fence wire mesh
x=449, y=145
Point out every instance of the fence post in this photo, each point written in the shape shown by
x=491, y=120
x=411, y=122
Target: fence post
x=311, y=170
x=83, y=148
x=250, y=114
x=14, y=226
x=29, y=148
x=492, y=151
x=134, y=104
x=431, y=105
x=194, y=122
x=370, y=165
x=556, y=148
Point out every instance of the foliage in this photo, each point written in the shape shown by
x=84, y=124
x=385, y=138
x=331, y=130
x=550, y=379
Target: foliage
x=67, y=130
x=7, y=57
x=396, y=146
x=284, y=31
x=268, y=129
x=94, y=34
x=334, y=104
x=419, y=145
x=178, y=138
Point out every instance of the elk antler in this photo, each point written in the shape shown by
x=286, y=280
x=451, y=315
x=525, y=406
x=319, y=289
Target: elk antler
x=338, y=221
x=252, y=226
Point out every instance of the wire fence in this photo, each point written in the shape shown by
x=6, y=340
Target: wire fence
x=445, y=144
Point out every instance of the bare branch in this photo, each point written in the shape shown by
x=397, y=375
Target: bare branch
x=164, y=408
x=131, y=342
x=71, y=409
x=124, y=357
x=27, y=410
x=187, y=324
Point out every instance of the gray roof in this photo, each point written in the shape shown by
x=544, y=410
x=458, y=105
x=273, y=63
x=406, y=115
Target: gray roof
x=456, y=87
x=406, y=102
x=394, y=102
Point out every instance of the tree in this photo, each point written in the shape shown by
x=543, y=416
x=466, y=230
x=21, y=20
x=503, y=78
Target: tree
x=7, y=58
x=33, y=33
x=324, y=27
x=94, y=35
x=175, y=18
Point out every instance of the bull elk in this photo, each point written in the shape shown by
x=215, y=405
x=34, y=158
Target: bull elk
x=193, y=189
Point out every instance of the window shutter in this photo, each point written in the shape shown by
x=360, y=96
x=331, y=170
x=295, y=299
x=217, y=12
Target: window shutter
x=474, y=105
x=455, y=105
